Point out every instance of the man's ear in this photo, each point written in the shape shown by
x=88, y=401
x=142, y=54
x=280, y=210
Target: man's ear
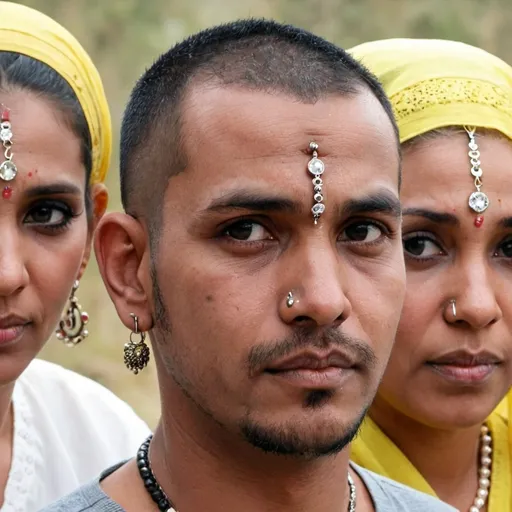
x=122, y=251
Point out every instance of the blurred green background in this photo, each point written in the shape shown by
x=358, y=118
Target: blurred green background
x=124, y=36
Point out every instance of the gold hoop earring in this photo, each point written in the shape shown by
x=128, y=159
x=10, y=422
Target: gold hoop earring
x=136, y=353
x=71, y=330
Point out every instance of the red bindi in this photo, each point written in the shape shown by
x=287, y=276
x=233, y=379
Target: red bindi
x=7, y=192
x=6, y=116
x=479, y=221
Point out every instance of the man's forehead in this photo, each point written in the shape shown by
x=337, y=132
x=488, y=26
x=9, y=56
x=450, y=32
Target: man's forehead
x=254, y=122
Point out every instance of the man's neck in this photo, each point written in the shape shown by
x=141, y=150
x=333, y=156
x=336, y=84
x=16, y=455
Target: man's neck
x=202, y=470
x=447, y=459
x=201, y=465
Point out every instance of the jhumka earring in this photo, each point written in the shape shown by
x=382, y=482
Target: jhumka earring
x=478, y=201
x=136, y=353
x=316, y=167
x=8, y=170
x=71, y=330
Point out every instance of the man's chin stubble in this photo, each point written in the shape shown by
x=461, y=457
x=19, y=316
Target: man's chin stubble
x=284, y=441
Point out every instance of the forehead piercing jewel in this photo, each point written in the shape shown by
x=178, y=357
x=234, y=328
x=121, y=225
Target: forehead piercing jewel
x=290, y=301
x=8, y=170
x=454, y=308
x=316, y=167
x=478, y=201
x=7, y=192
x=479, y=221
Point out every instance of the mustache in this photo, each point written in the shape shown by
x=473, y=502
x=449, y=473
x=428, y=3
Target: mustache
x=262, y=356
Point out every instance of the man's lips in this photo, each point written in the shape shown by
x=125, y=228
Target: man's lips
x=314, y=370
x=315, y=361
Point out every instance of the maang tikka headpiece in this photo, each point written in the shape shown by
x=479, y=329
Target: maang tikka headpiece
x=8, y=170
x=316, y=167
x=478, y=201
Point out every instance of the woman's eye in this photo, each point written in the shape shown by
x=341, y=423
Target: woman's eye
x=363, y=232
x=46, y=216
x=505, y=249
x=421, y=246
x=247, y=231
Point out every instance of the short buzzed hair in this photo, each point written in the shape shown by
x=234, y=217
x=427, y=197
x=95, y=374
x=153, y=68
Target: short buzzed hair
x=254, y=54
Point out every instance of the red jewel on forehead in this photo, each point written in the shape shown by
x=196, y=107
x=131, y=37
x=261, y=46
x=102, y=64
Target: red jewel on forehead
x=7, y=192
x=6, y=116
x=479, y=221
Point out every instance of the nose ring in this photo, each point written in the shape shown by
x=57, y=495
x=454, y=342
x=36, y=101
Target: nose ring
x=454, y=308
x=290, y=301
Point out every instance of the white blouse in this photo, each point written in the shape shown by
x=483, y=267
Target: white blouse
x=67, y=429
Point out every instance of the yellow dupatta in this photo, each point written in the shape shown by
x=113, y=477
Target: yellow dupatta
x=28, y=32
x=434, y=84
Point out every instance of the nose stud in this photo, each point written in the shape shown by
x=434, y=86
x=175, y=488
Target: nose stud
x=290, y=301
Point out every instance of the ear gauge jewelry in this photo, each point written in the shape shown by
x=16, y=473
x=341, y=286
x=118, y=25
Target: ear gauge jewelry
x=8, y=170
x=71, y=330
x=478, y=201
x=316, y=167
x=136, y=353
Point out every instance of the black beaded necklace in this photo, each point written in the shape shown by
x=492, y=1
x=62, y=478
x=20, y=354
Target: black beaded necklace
x=164, y=503
x=150, y=483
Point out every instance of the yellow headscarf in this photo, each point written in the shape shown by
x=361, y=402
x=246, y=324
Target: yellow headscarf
x=433, y=84
x=31, y=33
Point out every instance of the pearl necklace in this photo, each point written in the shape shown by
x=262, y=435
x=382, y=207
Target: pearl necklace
x=164, y=503
x=484, y=471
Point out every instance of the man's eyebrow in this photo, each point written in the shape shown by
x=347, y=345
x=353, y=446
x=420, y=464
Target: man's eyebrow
x=253, y=201
x=379, y=202
x=382, y=201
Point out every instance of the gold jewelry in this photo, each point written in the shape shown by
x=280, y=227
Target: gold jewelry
x=136, y=354
x=71, y=330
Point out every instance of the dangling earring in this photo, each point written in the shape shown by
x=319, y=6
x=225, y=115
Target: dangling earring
x=136, y=354
x=71, y=330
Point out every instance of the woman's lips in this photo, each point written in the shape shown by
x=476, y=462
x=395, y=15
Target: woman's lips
x=11, y=334
x=12, y=328
x=465, y=367
x=464, y=374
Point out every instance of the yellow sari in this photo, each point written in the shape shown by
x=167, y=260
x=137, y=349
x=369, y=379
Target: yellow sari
x=434, y=84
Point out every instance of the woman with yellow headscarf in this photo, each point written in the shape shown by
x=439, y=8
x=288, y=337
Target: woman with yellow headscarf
x=57, y=429
x=436, y=424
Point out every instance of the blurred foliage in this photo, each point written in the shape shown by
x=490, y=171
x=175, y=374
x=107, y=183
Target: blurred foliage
x=124, y=36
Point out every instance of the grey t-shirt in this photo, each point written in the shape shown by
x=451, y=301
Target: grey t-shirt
x=388, y=496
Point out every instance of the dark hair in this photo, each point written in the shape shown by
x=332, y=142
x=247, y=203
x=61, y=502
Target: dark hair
x=19, y=71
x=256, y=54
